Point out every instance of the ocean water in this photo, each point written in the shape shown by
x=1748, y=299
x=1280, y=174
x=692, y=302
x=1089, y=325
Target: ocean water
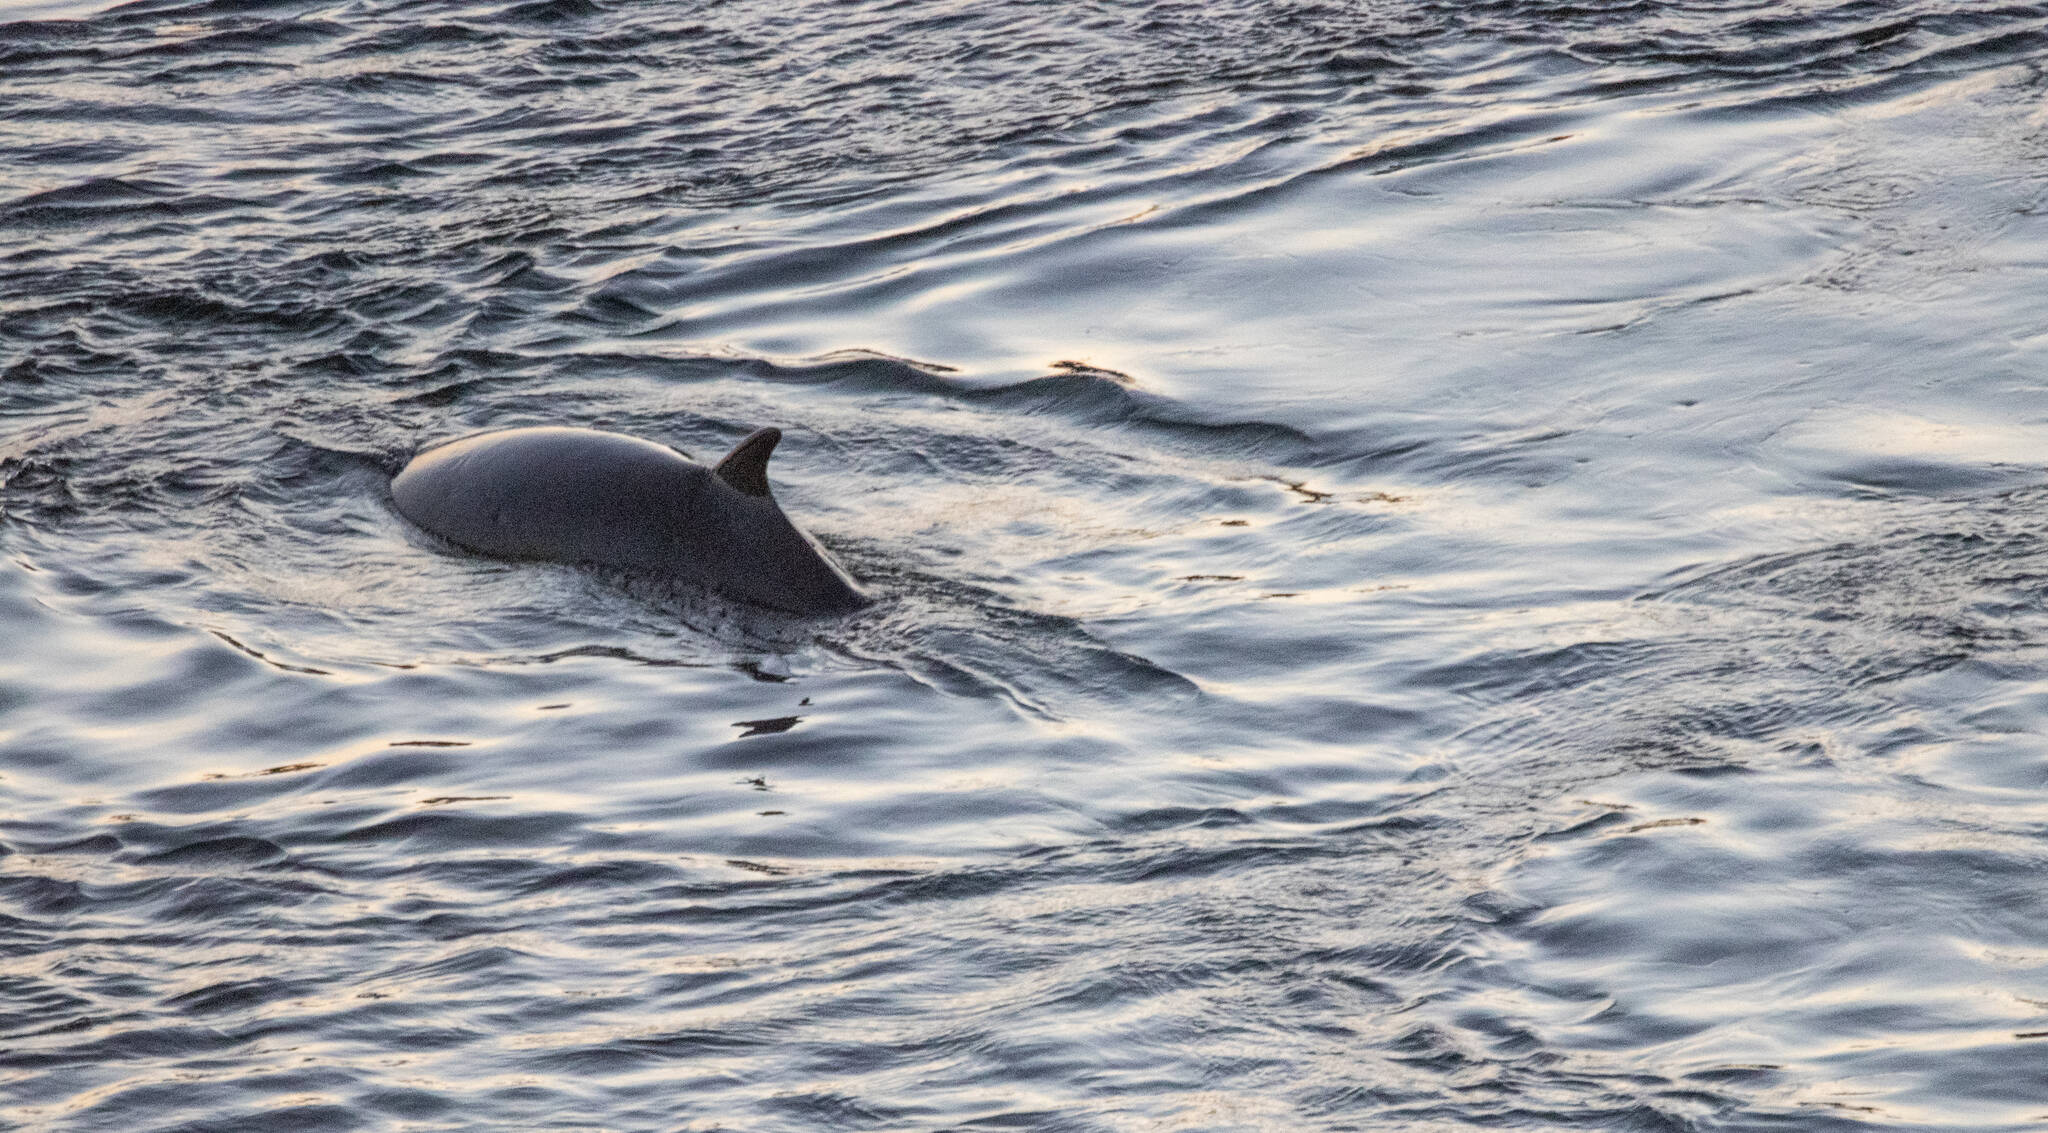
x=1443, y=565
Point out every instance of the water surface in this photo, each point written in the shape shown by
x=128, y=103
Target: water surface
x=1445, y=565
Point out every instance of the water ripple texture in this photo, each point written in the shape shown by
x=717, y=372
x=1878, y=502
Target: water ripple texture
x=1442, y=565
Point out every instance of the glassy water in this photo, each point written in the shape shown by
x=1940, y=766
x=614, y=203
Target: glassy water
x=1444, y=565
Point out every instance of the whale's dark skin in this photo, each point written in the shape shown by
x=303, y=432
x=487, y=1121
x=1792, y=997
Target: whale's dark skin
x=584, y=496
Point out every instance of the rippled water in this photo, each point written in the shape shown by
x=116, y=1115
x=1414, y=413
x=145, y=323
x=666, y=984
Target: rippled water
x=1445, y=565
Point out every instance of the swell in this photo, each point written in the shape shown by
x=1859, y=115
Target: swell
x=1203, y=944
x=1724, y=668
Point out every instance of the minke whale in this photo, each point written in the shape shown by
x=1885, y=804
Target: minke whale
x=569, y=495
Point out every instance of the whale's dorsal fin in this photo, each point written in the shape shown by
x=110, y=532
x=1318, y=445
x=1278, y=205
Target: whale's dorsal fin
x=746, y=466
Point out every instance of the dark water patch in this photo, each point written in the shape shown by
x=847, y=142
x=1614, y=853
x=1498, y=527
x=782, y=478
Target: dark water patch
x=45, y=56
x=624, y=874
x=459, y=829
x=183, y=308
x=767, y=727
x=235, y=995
x=259, y=37
x=240, y=850
x=217, y=68
x=554, y=11
x=98, y=191
x=41, y=896
x=102, y=203
x=374, y=173
x=1924, y=477
x=413, y=37
x=95, y=844
x=1173, y=817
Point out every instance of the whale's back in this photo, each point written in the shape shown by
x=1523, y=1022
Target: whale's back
x=582, y=496
x=559, y=494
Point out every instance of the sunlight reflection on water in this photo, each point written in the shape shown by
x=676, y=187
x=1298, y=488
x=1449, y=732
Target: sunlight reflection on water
x=1441, y=565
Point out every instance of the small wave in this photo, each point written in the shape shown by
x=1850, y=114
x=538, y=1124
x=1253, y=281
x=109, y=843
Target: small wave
x=232, y=850
x=553, y=11
x=1076, y=391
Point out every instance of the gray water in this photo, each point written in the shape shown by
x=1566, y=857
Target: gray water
x=1444, y=565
